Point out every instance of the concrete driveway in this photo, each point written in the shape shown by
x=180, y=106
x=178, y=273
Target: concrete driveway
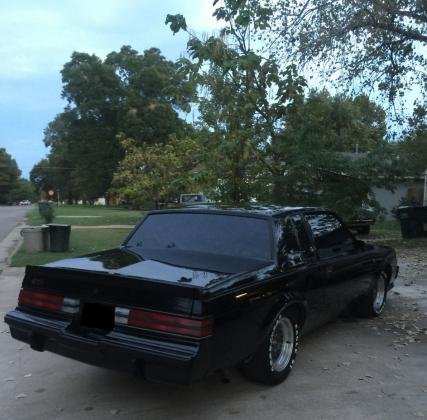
x=349, y=369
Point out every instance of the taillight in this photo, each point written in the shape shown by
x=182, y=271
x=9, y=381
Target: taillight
x=49, y=301
x=163, y=322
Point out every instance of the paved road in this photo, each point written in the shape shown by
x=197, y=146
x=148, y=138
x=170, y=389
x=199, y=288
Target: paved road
x=10, y=216
x=351, y=369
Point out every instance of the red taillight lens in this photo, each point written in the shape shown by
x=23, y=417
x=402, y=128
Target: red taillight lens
x=162, y=322
x=40, y=300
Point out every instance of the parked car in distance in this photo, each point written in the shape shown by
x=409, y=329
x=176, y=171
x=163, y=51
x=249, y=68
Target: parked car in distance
x=194, y=291
x=362, y=219
x=25, y=203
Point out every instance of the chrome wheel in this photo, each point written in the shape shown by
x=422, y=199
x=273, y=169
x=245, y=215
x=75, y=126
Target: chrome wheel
x=379, y=296
x=282, y=344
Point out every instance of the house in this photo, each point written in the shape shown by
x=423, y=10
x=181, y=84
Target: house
x=408, y=190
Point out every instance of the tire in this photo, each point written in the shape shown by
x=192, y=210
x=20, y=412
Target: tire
x=275, y=357
x=372, y=304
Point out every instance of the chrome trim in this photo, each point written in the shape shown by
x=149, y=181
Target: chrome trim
x=121, y=316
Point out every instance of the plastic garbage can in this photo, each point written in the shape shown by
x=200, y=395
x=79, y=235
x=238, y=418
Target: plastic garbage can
x=33, y=239
x=413, y=221
x=59, y=237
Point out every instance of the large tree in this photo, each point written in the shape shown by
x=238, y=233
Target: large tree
x=131, y=93
x=9, y=176
x=372, y=44
x=413, y=147
x=244, y=98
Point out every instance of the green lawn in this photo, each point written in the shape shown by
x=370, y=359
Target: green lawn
x=388, y=233
x=82, y=241
x=99, y=215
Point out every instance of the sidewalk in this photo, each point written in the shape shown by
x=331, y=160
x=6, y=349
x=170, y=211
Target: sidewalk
x=9, y=245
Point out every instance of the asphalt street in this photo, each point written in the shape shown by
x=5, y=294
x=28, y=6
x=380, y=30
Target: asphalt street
x=10, y=216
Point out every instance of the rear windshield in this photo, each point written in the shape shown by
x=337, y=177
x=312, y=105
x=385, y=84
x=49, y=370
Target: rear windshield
x=237, y=236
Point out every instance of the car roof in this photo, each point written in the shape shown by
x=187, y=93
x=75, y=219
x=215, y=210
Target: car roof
x=252, y=210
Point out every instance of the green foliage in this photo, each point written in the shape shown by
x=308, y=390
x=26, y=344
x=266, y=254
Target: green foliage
x=270, y=141
x=9, y=176
x=244, y=100
x=23, y=190
x=159, y=172
x=131, y=93
x=176, y=23
x=46, y=211
x=413, y=147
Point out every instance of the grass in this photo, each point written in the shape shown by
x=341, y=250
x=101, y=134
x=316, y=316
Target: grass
x=103, y=216
x=82, y=241
x=388, y=233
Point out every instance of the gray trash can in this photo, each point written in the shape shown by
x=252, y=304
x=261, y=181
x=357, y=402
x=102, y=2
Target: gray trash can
x=33, y=239
x=59, y=237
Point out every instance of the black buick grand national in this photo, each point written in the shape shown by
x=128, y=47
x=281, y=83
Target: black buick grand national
x=194, y=291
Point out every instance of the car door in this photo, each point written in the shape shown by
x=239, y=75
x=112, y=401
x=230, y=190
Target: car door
x=343, y=267
x=296, y=249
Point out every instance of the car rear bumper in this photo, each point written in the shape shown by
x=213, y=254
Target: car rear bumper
x=155, y=360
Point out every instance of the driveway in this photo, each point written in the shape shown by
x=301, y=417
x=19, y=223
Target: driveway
x=10, y=216
x=350, y=369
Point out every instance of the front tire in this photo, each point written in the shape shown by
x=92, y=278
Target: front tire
x=372, y=304
x=274, y=359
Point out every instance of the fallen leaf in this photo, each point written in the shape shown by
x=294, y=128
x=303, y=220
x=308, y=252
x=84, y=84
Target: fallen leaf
x=28, y=375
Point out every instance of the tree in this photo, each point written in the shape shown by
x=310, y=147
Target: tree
x=159, y=172
x=246, y=96
x=375, y=44
x=24, y=190
x=9, y=176
x=137, y=94
x=413, y=147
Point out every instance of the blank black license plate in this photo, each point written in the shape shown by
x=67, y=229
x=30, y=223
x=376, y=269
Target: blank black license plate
x=97, y=316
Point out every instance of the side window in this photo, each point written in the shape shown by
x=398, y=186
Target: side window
x=293, y=240
x=303, y=238
x=330, y=236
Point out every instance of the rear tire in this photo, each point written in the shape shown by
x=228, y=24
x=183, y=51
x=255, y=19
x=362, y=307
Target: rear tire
x=275, y=357
x=372, y=304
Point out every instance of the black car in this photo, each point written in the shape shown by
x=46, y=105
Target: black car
x=193, y=291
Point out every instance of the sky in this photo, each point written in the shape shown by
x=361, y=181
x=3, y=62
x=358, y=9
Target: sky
x=39, y=37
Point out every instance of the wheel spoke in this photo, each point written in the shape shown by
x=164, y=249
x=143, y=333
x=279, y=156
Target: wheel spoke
x=282, y=344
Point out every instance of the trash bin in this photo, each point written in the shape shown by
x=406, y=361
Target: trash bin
x=59, y=237
x=413, y=221
x=45, y=236
x=33, y=239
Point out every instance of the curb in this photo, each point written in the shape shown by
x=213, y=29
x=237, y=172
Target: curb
x=9, y=245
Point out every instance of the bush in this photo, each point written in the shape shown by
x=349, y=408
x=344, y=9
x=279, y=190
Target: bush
x=46, y=211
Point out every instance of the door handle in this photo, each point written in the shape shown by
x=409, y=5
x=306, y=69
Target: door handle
x=329, y=269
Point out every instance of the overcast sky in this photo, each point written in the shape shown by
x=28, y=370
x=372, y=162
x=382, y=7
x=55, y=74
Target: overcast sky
x=39, y=37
